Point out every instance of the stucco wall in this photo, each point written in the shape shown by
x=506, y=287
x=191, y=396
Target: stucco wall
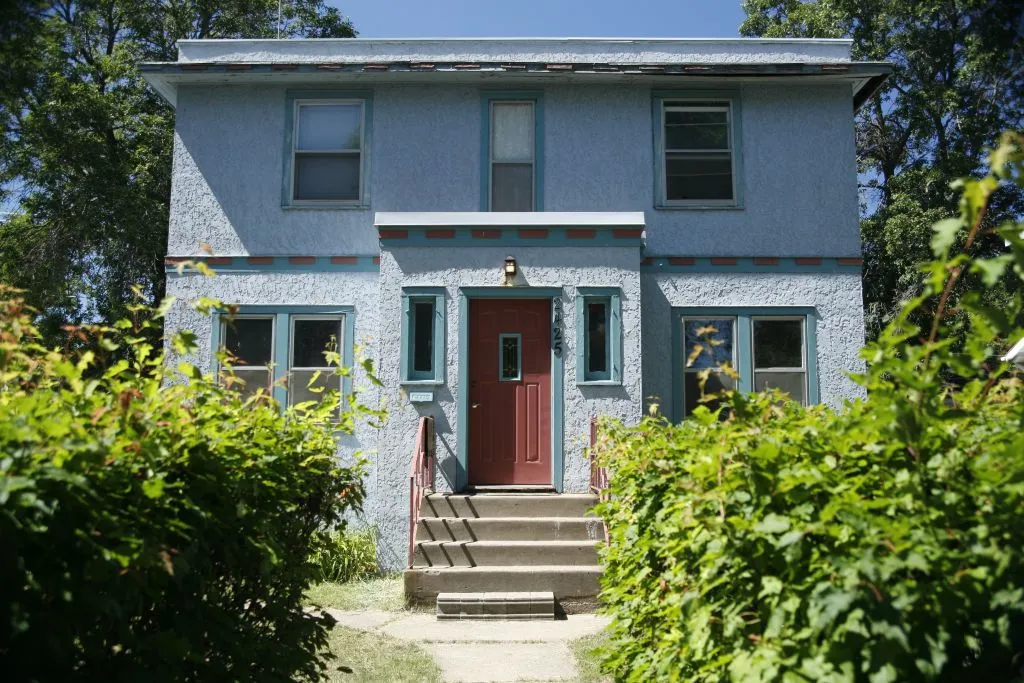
x=481, y=267
x=358, y=290
x=425, y=152
x=836, y=299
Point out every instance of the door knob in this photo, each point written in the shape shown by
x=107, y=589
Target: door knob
x=475, y=405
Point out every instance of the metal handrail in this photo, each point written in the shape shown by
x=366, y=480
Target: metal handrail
x=598, y=473
x=421, y=476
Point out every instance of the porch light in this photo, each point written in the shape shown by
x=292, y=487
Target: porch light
x=510, y=266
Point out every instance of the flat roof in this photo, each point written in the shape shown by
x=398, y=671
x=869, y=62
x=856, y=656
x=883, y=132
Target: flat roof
x=675, y=62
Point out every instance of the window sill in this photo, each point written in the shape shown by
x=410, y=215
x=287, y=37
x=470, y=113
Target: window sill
x=698, y=207
x=325, y=206
x=600, y=383
x=421, y=383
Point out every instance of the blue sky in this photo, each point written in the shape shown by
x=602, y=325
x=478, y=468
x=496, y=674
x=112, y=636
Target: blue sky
x=503, y=18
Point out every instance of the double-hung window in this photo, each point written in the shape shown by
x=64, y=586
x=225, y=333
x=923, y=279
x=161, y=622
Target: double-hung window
x=327, y=151
x=314, y=357
x=708, y=344
x=768, y=349
x=249, y=342
x=293, y=356
x=598, y=335
x=511, y=161
x=698, y=152
x=780, y=356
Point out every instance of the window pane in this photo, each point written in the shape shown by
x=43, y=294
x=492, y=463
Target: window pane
x=716, y=383
x=512, y=187
x=711, y=355
x=327, y=176
x=696, y=130
x=597, y=337
x=512, y=131
x=510, y=357
x=247, y=382
x=792, y=383
x=311, y=339
x=249, y=340
x=329, y=126
x=423, y=337
x=778, y=343
x=698, y=176
x=301, y=386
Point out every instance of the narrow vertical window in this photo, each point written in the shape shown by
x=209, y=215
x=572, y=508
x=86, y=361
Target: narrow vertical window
x=510, y=357
x=707, y=344
x=512, y=156
x=698, y=163
x=598, y=350
x=422, y=339
x=327, y=151
x=779, y=356
x=313, y=365
x=249, y=343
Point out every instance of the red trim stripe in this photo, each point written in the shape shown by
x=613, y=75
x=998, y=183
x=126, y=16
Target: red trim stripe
x=386, y=234
x=302, y=260
x=440, y=234
x=808, y=261
x=486, y=234
x=723, y=261
x=580, y=233
x=766, y=261
x=628, y=233
x=344, y=259
x=681, y=260
x=850, y=261
x=534, y=233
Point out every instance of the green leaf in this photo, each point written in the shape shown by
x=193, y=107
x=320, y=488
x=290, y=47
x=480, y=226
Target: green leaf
x=945, y=234
x=773, y=524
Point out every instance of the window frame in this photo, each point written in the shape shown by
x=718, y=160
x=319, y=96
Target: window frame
x=698, y=100
x=489, y=98
x=519, y=356
x=803, y=369
x=612, y=296
x=295, y=99
x=282, y=346
x=408, y=376
x=693, y=371
x=296, y=317
x=222, y=326
x=743, y=346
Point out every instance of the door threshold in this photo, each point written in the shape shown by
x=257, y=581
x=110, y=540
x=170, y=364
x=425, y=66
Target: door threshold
x=511, y=488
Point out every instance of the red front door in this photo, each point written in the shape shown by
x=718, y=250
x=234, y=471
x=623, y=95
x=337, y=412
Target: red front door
x=509, y=391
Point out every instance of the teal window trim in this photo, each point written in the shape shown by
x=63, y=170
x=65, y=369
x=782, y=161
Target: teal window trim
x=743, y=342
x=292, y=99
x=663, y=97
x=410, y=296
x=612, y=296
x=518, y=338
x=281, y=316
x=487, y=98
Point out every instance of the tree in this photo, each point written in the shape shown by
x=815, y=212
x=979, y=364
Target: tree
x=86, y=149
x=958, y=80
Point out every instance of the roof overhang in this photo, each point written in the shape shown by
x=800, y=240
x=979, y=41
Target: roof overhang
x=1016, y=354
x=526, y=61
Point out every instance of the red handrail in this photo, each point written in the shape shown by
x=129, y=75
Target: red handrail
x=421, y=476
x=598, y=473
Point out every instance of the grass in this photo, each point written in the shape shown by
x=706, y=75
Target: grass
x=372, y=657
x=383, y=593
x=588, y=661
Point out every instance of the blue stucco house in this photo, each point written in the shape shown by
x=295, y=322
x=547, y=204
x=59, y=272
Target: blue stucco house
x=522, y=233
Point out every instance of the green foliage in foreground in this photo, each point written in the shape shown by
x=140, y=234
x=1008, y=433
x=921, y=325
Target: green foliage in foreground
x=154, y=529
x=347, y=555
x=880, y=543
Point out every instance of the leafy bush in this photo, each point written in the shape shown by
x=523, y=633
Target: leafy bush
x=765, y=541
x=155, y=529
x=347, y=555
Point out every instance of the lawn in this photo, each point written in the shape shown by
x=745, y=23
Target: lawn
x=383, y=593
x=372, y=657
x=588, y=663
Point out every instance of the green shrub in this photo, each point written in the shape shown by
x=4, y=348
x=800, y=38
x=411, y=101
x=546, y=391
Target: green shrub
x=882, y=542
x=154, y=529
x=347, y=555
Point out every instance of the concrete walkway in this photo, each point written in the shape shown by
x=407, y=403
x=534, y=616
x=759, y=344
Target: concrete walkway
x=477, y=651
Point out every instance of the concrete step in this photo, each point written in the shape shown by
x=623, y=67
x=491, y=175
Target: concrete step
x=497, y=553
x=422, y=585
x=483, y=505
x=498, y=605
x=509, y=529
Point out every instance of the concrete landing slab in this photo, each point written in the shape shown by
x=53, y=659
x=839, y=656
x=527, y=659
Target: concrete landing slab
x=426, y=628
x=503, y=661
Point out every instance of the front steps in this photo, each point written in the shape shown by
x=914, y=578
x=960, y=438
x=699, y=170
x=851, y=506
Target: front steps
x=499, y=543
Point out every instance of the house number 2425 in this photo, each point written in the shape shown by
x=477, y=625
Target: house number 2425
x=556, y=331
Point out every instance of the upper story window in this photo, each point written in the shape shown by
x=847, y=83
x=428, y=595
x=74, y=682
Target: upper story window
x=327, y=151
x=512, y=157
x=698, y=160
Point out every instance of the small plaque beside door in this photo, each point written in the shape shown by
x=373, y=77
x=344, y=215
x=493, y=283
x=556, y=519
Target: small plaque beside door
x=421, y=397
